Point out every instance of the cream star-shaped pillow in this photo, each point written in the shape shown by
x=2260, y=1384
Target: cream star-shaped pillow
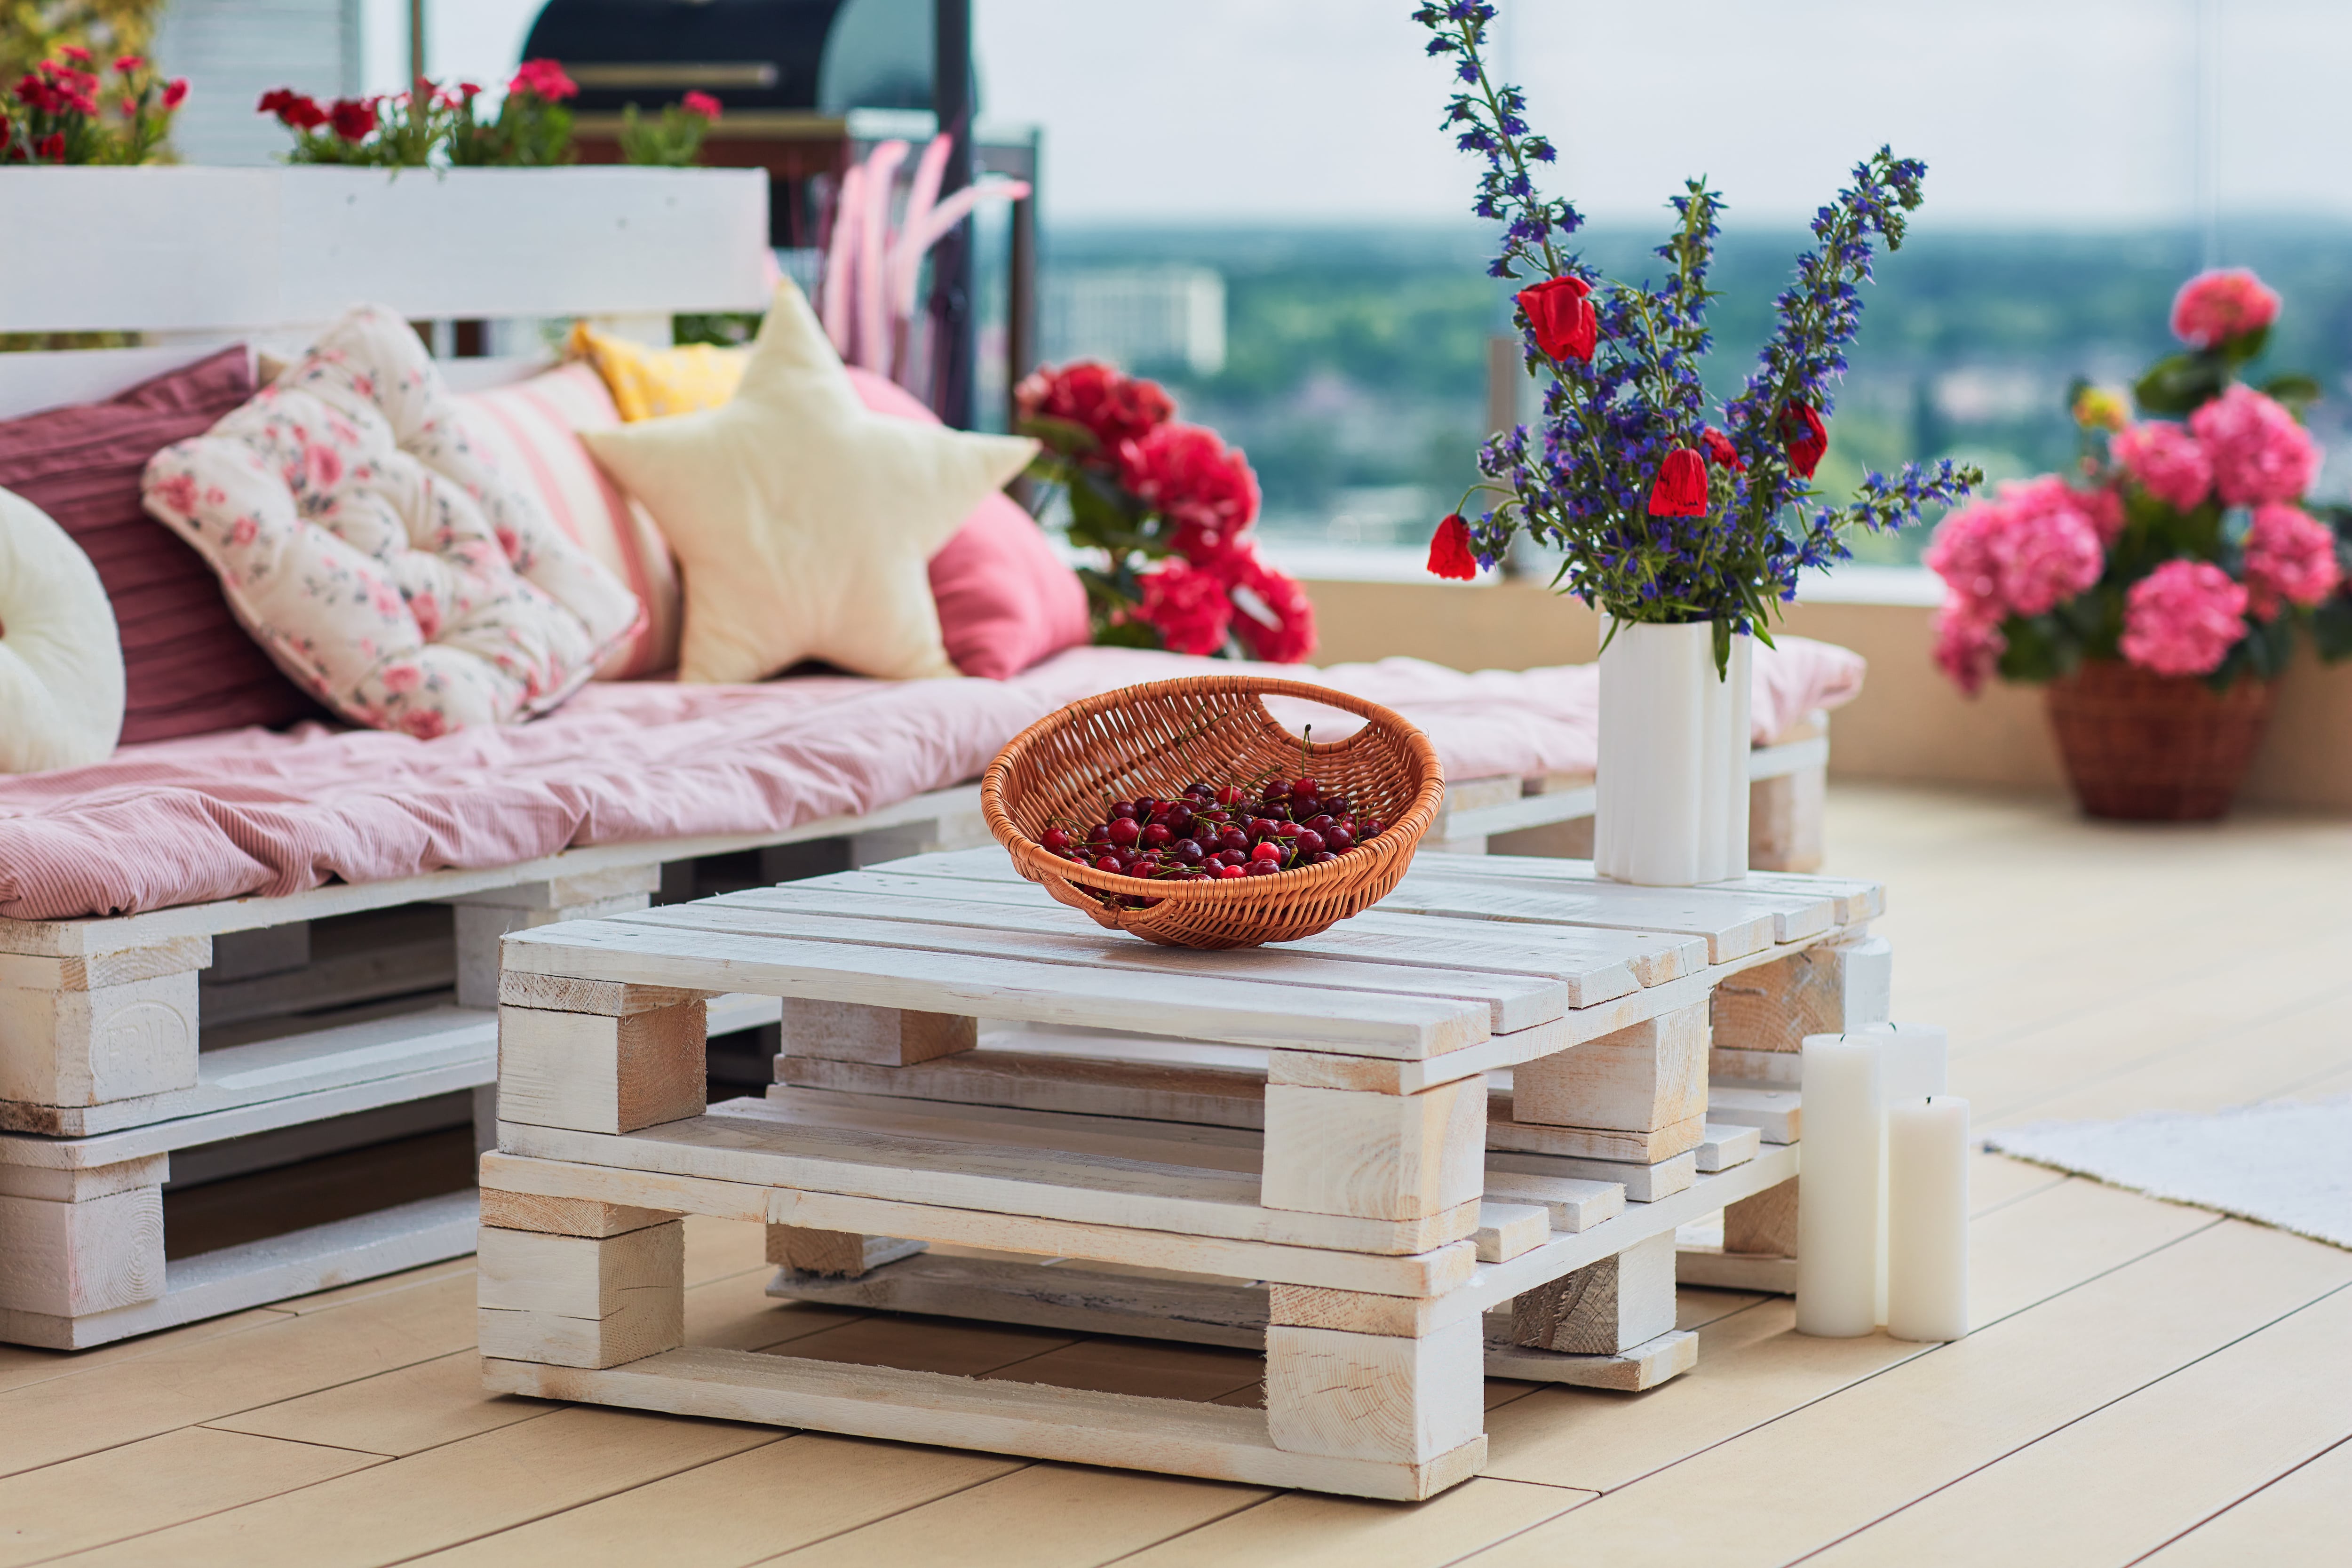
x=802, y=523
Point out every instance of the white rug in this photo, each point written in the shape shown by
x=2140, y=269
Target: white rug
x=2286, y=1165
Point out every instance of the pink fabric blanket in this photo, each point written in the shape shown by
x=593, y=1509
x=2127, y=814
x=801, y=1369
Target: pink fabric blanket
x=257, y=811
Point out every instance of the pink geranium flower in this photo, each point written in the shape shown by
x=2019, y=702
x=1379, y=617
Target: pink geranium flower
x=2290, y=558
x=2183, y=618
x=2214, y=307
x=2166, y=461
x=2258, y=452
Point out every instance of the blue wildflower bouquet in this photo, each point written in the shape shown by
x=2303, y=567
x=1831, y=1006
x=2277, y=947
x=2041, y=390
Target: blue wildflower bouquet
x=1660, y=515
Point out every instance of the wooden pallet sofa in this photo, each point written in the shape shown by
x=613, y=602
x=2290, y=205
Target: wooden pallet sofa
x=177, y=1045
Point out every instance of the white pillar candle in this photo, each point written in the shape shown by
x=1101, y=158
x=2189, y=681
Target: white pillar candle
x=1837, y=1201
x=1913, y=1067
x=1928, y=1218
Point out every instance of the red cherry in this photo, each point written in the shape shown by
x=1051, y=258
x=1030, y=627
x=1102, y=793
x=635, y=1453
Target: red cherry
x=1108, y=863
x=1233, y=841
x=1123, y=830
x=1230, y=795
x=1337, y=837
x=1310, y=842
x=1322, y=859
x=1288, y=829
x=1223, y=871
x=1304, y=789
x=1321, y=821
x=1157, y=834
x=1053, y=839
x=1261, y=868
x=1264, y=853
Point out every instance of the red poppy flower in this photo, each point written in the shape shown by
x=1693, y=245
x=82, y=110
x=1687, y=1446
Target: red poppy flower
x=1808, y=438
x=1721, y=451
x=1681, y=487
x=1566, y=325
x=1449, y=550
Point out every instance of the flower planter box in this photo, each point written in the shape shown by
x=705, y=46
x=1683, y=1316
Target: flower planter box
x=262, y=251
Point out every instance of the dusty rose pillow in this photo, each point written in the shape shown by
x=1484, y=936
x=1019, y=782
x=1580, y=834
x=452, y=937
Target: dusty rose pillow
x=1005, y=600
x=188, y=667
x=378, y=554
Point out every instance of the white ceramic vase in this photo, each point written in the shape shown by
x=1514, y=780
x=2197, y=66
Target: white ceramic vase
x=1672, y=777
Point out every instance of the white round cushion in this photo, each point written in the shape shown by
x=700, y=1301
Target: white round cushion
x=60, y=660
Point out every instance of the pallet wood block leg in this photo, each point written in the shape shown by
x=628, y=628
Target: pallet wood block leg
x=586, y=1301
x=482, y=919
x=94, y=1029
x=1763, y=1225
x=594, y=1073
x=1375, y=1397
x=833, y=1254
x=1377, y=1156
x=82, y=1241
x=1826, y=990
x=1603, y=1308
x=1650, y=1079
x=883, y=1036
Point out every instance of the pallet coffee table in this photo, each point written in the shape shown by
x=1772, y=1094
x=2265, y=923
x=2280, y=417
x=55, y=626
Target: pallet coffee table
x=1308, y=1148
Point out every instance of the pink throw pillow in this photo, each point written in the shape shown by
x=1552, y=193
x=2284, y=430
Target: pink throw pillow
x=1005, y=599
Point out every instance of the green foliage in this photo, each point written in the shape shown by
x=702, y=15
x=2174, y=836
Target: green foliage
x=32, y=31
x=673, y=142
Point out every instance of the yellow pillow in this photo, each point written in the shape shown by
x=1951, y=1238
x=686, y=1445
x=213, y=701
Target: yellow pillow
x=647, y=383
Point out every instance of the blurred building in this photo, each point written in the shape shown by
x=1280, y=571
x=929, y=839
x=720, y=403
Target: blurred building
x=1137, y=316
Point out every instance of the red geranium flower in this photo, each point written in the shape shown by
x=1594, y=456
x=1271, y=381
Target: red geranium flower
x=1681, y=487
x=52, y=147
x=701, y=103
x=353, y=118
x=1449, y=550
x=1111, y=407
x=1566, y=325
x=74, y=53
x=544, y=79
x=1275, y=619
x=1808, y=438
x=129, y=63
x=1190, y=608
x=1187, y=474
x=175, y=93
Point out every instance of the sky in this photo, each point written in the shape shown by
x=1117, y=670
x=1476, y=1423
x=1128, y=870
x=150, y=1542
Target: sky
x=2029, y=112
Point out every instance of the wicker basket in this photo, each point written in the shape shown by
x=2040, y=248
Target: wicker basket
x=2155, y=748
x=1153, y=740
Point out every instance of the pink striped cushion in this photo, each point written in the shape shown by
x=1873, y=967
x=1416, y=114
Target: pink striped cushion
x=528, y=430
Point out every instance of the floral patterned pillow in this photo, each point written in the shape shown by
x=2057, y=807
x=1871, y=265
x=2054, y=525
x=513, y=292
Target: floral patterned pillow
x=377, y=554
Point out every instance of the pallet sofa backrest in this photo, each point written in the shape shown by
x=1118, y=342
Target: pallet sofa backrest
x=193, y=259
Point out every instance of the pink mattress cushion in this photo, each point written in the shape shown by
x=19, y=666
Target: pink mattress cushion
x=188, y=667
x=254, y=811
x=374, y=552
x=1005, y=599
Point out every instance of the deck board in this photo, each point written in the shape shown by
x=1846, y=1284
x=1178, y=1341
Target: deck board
x=2143, y=1372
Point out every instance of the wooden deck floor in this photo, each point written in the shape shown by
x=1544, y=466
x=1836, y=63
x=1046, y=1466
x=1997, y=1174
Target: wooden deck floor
x=2145, y=1378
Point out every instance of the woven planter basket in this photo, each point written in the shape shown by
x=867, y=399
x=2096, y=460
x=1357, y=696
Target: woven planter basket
x=1153, y=740
x=2156, y=748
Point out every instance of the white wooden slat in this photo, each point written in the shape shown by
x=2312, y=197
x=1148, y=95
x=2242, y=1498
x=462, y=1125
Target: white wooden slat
x=1495, y=1283
x=1716, y=906
x=78, y=938
x=1514, y=1001
x=1853, y=898
x=1242, y=1011
x=750, y=1141
x=193, y=249
x=32, y=381
x=1430, y=1273
x=1081, y=1427
x=1731, y=930
x=1655, y=957
x=1589, y=979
